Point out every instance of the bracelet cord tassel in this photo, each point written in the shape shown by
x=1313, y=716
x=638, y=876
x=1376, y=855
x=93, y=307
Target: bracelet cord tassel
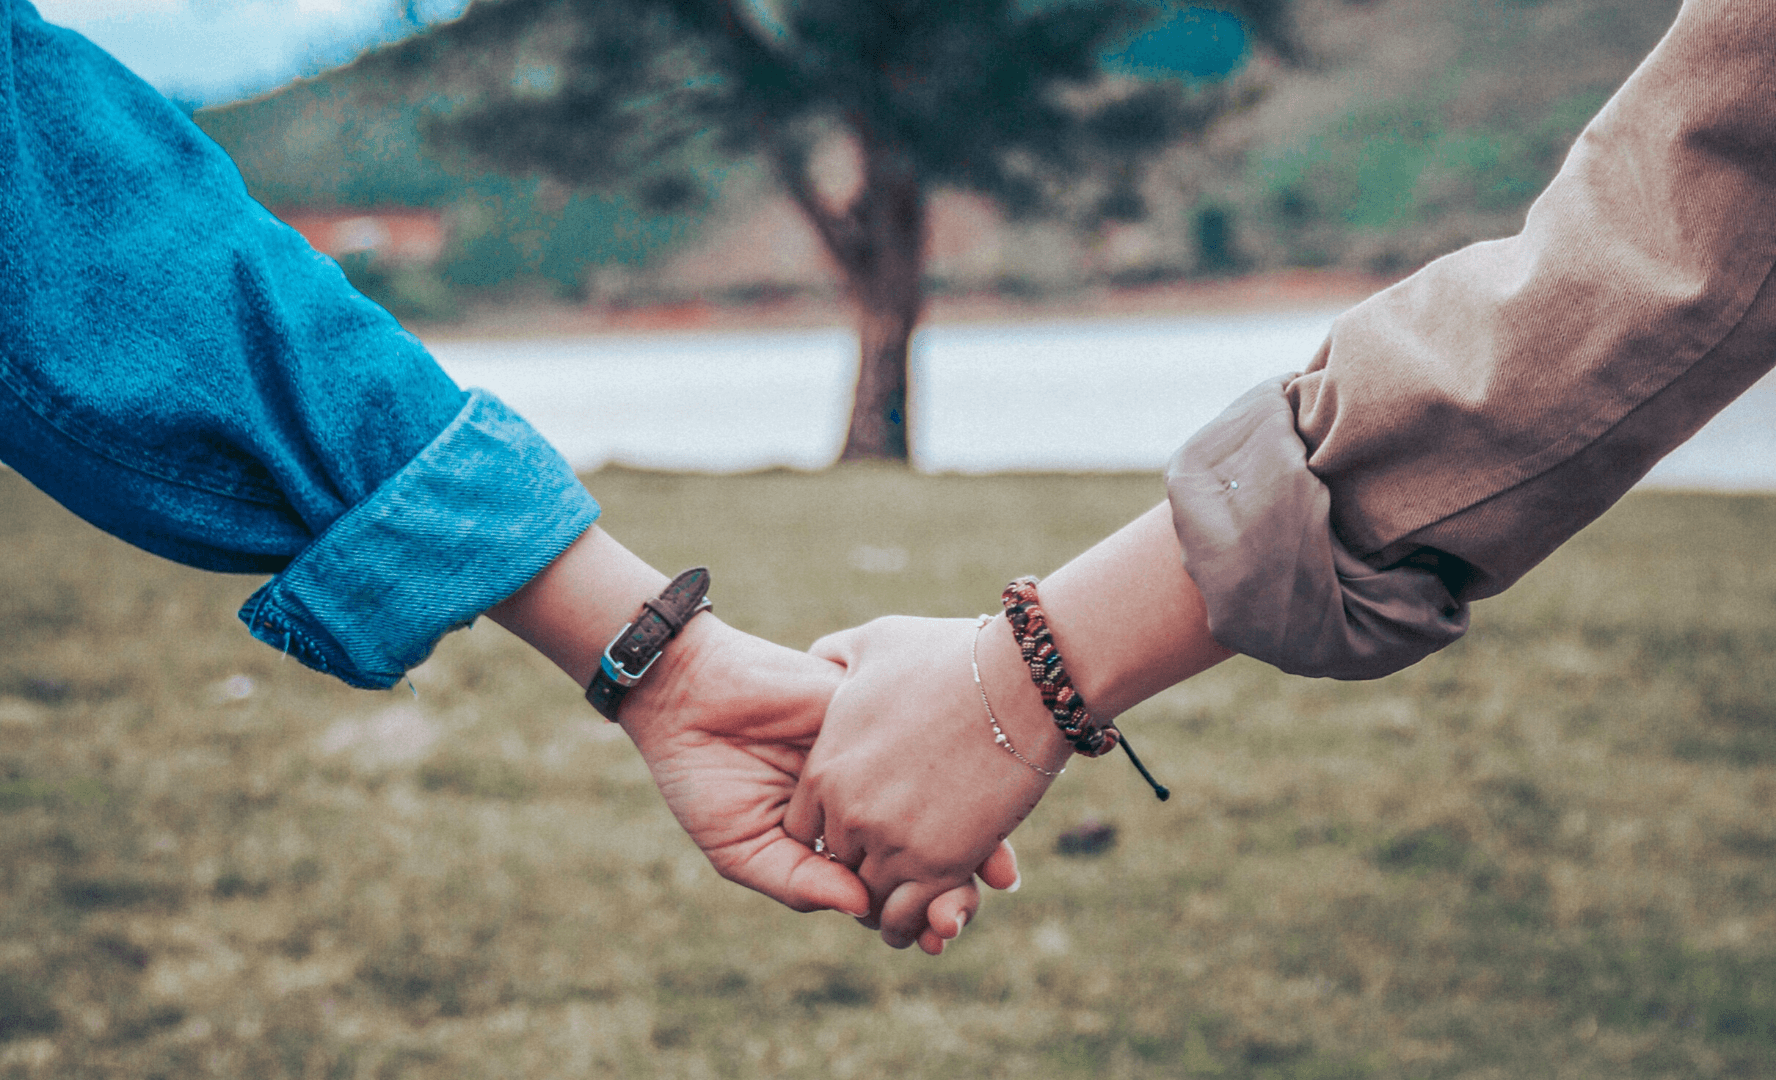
x=1159, y=789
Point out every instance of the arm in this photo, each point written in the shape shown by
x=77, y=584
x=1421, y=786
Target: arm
x=1451, y=434
x=180, y=369
x=183, y=371
x=1457, y=428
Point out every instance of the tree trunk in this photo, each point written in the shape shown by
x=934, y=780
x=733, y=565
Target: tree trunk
x=879, y=243
x=887, y=313
x=885, y=276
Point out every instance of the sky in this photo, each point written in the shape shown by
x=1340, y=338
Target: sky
x=206, y=51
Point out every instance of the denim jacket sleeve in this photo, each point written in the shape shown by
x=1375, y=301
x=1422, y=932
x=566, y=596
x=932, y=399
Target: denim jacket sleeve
x=183, y=371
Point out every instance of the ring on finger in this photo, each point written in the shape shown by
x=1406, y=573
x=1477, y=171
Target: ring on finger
x=820, y=848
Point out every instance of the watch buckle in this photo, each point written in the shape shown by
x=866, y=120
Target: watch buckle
x=614, y=669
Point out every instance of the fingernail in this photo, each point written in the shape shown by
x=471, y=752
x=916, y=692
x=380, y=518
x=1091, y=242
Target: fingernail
x=961, y=921
x=864, y=914
x=1017, y=883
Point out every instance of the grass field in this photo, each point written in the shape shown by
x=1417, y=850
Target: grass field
x=1546, y=852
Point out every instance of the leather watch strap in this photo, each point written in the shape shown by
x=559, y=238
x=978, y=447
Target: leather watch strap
x=635, y=648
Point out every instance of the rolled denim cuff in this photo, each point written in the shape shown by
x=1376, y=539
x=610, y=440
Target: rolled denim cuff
x=1255, y=526
x=479, y=512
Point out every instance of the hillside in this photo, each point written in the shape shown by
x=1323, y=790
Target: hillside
x=1415, y=127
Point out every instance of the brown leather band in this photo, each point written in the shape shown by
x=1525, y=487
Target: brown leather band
x=635, y=648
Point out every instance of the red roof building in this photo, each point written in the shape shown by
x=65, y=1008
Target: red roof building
x=389, y=236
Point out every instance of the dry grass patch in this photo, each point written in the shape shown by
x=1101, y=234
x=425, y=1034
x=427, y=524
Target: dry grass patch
x=1544, y=852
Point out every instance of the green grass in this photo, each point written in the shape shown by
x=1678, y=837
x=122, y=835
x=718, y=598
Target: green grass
x=1546, y=852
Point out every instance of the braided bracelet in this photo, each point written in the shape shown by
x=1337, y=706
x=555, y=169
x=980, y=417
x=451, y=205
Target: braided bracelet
x=1089, y=737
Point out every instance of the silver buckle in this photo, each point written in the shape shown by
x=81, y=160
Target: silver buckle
x=614, y=669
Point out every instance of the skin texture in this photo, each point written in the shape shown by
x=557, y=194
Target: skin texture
x=906, y=781
x=725, y=722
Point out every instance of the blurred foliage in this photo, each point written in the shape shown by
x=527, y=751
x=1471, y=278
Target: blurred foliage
x=347, y=140
x=1182, y=42
x=1427, y=125
x=1544, y=851
x=1409, y=128
x=1400, y=164
x=1005, y=97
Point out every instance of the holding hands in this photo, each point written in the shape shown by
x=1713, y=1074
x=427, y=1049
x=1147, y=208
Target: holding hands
x=726, y=729
x=725, y=722
x=905, y=750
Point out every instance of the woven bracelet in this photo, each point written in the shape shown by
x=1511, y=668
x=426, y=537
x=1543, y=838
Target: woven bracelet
x=1089, y=737
x=1030, y=627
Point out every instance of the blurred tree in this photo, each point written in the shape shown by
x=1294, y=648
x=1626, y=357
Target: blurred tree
x=1010, y=98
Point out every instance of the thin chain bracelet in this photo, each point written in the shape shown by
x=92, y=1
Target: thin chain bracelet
x=999, y=735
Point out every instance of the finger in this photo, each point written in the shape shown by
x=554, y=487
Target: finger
x=804, y=818
x=903, y=913
x=947, y=915
x=791, y=874
x=1001, y=868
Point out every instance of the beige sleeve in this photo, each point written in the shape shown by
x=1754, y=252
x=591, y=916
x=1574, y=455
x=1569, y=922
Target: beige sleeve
x=1457, y=428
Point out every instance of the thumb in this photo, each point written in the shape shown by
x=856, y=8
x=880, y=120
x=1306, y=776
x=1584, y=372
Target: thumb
x=819, y=884
x=1001, y=868
x=788, y=872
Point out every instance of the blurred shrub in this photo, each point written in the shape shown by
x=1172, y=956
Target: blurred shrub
x=24, y=1009
x=482, y=778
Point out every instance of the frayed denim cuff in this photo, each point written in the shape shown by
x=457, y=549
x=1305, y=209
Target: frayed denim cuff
x=465, y=524
x=1279, y=585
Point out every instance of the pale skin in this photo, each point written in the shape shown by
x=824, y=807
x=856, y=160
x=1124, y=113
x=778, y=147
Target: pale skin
x=724, y=721
x=906, y=781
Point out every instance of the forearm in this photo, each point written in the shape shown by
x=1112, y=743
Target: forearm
x=1127, y=621
x=582, y=600
x=579, y=602
x=572, y=609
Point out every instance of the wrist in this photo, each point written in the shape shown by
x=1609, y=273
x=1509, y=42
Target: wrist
x=671, y=684
x=1128, y=619
x=571, y=610
x=1016, y=702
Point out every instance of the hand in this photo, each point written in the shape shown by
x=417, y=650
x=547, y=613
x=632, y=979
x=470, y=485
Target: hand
x=906, y=781
x=724, y=722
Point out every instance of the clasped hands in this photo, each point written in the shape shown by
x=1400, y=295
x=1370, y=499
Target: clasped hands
x=876, y=742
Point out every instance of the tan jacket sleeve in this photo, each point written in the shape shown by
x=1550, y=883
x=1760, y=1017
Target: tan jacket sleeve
x=1457, y=428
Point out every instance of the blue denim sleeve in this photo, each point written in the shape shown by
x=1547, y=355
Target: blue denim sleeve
x=184, y=371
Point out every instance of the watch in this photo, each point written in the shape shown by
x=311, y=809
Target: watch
x=635, y=648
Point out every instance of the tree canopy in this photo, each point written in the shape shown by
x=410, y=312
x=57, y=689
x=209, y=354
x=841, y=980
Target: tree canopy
x=1009, y=98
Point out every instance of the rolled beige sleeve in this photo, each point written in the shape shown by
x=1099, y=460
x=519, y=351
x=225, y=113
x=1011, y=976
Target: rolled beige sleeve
x=1457, y=428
